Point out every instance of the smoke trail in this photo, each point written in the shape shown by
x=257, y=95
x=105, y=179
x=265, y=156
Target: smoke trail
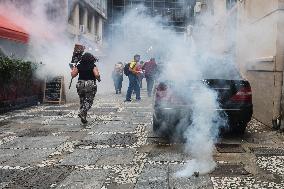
x=186, y=64
x=202, y=132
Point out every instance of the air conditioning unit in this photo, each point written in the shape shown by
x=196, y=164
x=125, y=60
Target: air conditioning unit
x=82, y=29
x=197, y=7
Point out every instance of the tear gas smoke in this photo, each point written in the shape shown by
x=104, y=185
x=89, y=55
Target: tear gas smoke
x=202, y=132
x=183, y=61
x=46, y=23
x=148, y=37
x=48, y=41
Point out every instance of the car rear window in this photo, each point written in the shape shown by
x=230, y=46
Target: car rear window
x=218, y=68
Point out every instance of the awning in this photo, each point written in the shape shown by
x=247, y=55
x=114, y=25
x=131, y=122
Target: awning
x=11, y=31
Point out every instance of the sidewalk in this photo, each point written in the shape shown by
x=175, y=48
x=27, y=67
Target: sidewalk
x=48, y=147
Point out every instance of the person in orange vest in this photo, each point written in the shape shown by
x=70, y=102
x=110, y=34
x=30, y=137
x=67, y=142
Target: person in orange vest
x=133, y=79
x=141, y=73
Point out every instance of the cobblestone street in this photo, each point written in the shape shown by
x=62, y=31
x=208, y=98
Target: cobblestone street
x=48, y=147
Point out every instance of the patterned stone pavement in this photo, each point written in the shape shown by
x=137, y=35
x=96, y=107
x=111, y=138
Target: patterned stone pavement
x=47, y=147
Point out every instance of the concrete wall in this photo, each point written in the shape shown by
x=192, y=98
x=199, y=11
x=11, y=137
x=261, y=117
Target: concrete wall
x=256, y=9
x=260, y=54
x=219, y=7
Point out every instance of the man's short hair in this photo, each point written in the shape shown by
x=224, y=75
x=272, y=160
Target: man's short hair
x=137, y=55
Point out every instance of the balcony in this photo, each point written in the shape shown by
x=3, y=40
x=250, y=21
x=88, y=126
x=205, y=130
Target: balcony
x=98, y=7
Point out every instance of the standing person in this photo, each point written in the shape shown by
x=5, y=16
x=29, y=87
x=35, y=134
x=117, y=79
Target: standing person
x=140, y=73
x=150, y=69
x=86, y=86
x=133, y=79
x=117, y=76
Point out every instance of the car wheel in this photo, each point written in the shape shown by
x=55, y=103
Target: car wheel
x=156, y=125
x=240, y=128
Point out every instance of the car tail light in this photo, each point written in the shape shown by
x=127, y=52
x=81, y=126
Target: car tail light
x=243, y=95
x=162, y=87
x=161, y=91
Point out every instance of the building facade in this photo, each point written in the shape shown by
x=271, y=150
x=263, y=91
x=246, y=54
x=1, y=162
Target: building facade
x=179, y=13
x=86, y=20
x=252, y=31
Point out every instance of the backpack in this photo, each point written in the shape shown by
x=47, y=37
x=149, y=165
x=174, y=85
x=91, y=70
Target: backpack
x=126, y=69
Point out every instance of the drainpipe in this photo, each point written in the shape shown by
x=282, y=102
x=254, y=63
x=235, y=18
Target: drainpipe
x=278, y=116
x=76, y=20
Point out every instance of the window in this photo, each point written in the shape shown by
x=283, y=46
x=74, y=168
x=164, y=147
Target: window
x=53, y=11
x=90, y=19
x=2, y=52
x=231, y=3
x=81, y=16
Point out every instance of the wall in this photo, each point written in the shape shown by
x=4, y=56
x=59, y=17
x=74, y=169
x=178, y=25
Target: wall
x=258, y=54
x=13, y=48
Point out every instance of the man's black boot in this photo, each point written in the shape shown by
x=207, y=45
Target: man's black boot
x=83, y=119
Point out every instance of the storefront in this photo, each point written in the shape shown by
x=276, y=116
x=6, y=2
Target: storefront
x=21, y=89
x=13, y=39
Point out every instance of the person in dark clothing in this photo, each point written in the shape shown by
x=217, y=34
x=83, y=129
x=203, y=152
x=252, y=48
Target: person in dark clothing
x=117, y=76
x=86, y=86
x=133, y=79
x=150, y=70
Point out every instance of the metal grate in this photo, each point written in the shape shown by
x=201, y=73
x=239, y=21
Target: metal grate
x=37, y=177
x=229, y=148
x=116, y=139
x=36, y=132
x=228, y=170
x=4, y=123
x=262, y=151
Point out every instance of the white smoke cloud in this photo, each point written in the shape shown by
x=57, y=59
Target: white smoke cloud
x=202, y=132
x=49, y=42
x=183, y=61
